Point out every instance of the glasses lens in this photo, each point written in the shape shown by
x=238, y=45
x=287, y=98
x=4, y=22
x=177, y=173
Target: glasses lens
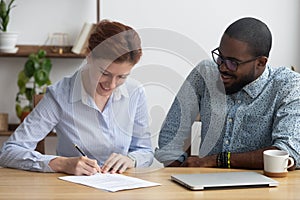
x=231, y=65
x=219, y=60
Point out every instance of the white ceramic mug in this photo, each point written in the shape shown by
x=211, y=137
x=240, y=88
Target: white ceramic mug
x=276, y=163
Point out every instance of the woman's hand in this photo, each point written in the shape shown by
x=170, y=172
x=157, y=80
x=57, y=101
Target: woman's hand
x=75, y=165
x=117, y=163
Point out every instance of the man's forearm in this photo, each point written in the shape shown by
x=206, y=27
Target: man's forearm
x=249, y=160
x=175, y=163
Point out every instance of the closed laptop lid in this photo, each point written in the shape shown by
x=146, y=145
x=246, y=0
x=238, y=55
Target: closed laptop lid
x=223, y=179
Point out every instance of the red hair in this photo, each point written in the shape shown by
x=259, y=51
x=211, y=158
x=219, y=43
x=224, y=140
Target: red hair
x=116, y=42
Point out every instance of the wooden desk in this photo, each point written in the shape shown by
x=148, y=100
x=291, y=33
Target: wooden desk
x=17, y=184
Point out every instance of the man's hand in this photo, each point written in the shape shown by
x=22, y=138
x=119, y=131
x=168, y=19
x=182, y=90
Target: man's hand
x=117, y=163
x=75, y=165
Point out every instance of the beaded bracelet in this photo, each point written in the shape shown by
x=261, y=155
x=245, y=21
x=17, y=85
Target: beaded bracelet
x=220, y=159
x=223, y=160
x=228, y=159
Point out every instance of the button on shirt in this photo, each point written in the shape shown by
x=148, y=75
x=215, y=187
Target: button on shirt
x=121, y=128
x=266, y=112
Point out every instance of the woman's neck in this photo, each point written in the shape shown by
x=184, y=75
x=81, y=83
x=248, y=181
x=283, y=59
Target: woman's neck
x=101, y=101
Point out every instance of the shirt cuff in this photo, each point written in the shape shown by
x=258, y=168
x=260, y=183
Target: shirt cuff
x=182, y=158
x=133, y=159
x=47, y=168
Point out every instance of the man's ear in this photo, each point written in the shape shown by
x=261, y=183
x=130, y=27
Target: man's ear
x=262, y=61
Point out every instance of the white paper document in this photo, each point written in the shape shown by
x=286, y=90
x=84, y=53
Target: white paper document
x=110, y=182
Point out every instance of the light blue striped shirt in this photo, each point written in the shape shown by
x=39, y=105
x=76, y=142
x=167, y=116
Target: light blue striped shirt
x=266, y=112
x=121, y=128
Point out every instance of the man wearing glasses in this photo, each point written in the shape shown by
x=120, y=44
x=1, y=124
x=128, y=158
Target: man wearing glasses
x=245, y=106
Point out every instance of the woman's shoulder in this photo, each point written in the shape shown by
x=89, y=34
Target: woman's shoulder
x=132, y=86
x=65, y=90
x=64, y=85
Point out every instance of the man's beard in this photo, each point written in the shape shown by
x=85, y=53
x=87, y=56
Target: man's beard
x=237, y=86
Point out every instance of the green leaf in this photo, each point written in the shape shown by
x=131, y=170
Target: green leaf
x=10, y=5
x=42, y=53
x=22, y=80
x=29, y=92
x=48, y=82
x=22, y=86
x=46, y=65
x=18, y=110
x=4, y=13
x=29, y=68
x=32, y=56
x=41, y=77
x=2, y=9
x=4, y=22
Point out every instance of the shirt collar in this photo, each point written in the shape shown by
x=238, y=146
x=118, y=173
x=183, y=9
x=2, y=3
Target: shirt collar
x=119, y=92
x=76, y=87
x=254, y=88
x=79, y=93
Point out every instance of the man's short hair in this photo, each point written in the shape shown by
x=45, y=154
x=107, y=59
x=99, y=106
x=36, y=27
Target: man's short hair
x=254, y=32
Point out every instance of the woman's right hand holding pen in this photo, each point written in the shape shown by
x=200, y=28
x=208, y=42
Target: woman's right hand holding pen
x=75, y=165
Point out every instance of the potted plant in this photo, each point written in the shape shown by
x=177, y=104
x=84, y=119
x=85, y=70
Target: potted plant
x=32, y=80
x=8, y=40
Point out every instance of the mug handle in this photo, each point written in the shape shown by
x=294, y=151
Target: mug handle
x=292, y=162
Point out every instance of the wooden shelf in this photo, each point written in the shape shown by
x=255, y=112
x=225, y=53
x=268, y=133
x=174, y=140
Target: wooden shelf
x=26, y=50
x=11, y=128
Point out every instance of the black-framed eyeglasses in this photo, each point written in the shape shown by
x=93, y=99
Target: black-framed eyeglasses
x=231, y=64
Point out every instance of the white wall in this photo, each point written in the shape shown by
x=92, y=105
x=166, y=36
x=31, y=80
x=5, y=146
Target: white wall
x=193, y=26
x=203, y=23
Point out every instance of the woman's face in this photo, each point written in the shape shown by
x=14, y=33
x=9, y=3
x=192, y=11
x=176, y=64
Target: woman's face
x=111, y=77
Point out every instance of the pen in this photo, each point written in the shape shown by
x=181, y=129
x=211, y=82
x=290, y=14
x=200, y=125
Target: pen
x=77, y=147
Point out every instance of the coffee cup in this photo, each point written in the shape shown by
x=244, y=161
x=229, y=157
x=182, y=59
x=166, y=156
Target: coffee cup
x=276, y=163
